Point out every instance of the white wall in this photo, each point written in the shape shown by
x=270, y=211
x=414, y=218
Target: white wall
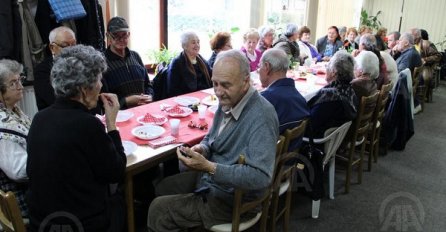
x=423, y=14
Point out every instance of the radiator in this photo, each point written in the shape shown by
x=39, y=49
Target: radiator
x=28, y=103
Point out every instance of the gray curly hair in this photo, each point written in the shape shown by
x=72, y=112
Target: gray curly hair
x=342, y=65
x=7, y=69
x=76, y=67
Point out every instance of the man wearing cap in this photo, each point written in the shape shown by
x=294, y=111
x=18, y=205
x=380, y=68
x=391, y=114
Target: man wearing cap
x=126, y=75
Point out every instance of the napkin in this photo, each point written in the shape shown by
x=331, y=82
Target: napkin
x=162, y=141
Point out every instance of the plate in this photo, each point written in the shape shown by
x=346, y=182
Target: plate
x=160, y=120
x=213, y=109
x=210, y=100
x=186, y=100
x=123, y=116
x=173, y=111
x=129, y=147
x=148, y=132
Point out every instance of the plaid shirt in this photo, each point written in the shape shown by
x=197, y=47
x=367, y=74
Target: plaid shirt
x=18, y=189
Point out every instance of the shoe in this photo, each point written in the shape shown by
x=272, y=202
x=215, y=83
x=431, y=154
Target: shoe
x=417, y=109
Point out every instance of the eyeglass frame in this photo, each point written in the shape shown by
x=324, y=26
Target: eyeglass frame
x=62, y=46
x=15, y=83
x=118, y=38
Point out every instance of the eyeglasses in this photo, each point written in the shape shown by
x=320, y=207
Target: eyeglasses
x=15, y=84
x=118, y=36
x=63, y=45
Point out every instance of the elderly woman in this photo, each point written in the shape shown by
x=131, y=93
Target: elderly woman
x=189, y=71
x=267, y=34
x=72, y=158
x=336, y=102
x=366, y=72
x=368, y=43
x=287, y=42
x=349, y=42
x=219, y=42
x=381, y=39
x=250, y=41
x=329, y=44
x=14, y=126
x=307, y=49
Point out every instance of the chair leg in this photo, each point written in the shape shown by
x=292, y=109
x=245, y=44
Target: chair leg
x=331, y=170
x=361, y=159
x=349, y=168
x=286, y=216
x=315, y=209
x=370, y=153
x=273, y=213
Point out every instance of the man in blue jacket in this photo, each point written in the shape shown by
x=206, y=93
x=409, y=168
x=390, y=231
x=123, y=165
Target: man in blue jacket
x=281, y=92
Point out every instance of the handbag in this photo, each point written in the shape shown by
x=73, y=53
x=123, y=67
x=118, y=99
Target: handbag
x=67, y=9
x=312, y=174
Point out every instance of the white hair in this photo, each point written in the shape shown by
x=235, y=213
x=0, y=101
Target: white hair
x=368, y=63
x=56, y=31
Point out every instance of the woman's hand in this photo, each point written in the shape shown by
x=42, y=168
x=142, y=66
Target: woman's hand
x=111, y=107
x=137, y=100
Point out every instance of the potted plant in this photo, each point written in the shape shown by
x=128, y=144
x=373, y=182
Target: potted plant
x=371, y=21
x=161, y=57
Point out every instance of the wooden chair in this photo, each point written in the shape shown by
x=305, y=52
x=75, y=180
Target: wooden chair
x=356, y=136
x=243, y=207
x=372, y=146
x=291, y=134
x=419, y=91
x=332, y=139
x=10, y=217
x=283, y=179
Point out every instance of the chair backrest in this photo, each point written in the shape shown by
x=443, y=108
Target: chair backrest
x=160, y=84
x=10, y=216
x=363, y=121
x=243, y=207
x=380, y=108
x=332, y=139
x=291, y=134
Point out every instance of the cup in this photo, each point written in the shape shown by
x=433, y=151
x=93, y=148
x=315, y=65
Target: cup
x=174, y=127
x=202, y=111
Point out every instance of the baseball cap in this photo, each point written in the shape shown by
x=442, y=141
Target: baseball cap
x=117, y=24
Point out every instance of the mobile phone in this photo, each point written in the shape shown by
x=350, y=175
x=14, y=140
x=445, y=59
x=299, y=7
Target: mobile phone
x=183, y=153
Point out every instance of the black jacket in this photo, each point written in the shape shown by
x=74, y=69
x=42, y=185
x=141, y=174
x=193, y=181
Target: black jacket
x=71, y=162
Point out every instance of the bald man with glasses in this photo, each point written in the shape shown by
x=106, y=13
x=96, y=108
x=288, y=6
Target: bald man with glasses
x=59, y=38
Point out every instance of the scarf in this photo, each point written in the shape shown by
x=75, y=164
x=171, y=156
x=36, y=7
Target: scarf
x=335, y=91
x=16, y=121
x=201, y=64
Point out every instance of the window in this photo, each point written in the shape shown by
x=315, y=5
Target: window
x=144, y=27
x=206, y=18
x=280, y=13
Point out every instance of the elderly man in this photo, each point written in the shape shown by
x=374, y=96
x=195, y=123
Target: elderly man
x=244, y=124
x=281, y=92
x=126, y=75
x=392, y=40
x=409, y=58
x=59, y=38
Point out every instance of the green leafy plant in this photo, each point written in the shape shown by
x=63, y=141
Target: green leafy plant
x=163, y=57
x=371, y=21
x=442, y=44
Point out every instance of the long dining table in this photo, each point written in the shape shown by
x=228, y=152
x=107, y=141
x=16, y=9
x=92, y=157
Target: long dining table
x=145, y=156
